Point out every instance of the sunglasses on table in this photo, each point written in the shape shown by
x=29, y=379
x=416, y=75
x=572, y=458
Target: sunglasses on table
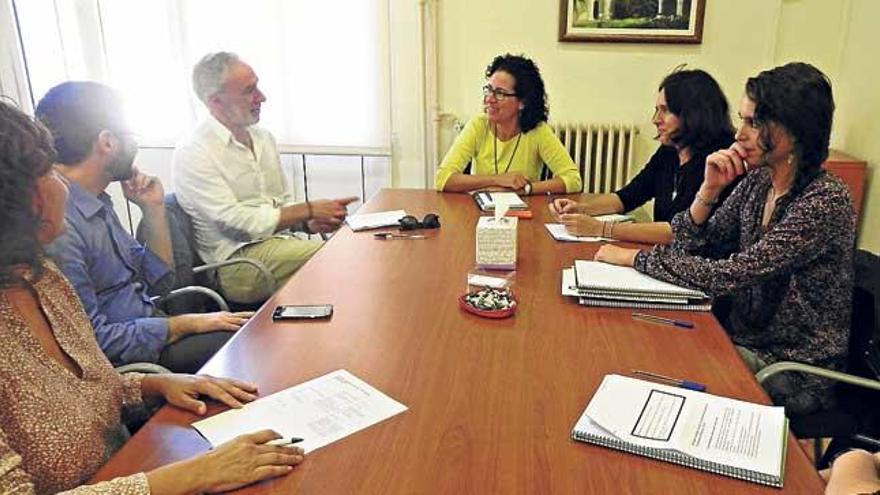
x=409, y=222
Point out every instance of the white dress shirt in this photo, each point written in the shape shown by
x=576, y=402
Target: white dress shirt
x=234, y=196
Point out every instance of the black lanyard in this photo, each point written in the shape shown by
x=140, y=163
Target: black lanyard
x=495, y=152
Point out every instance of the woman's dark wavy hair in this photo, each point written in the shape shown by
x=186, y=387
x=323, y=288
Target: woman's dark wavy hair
x=702, y=110
x=528, y=86
x=797, y=97
x=26, y=154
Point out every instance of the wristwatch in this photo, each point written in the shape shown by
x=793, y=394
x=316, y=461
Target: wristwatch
x=527, y=189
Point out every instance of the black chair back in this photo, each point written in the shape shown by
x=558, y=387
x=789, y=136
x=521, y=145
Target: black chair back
x=185, y=258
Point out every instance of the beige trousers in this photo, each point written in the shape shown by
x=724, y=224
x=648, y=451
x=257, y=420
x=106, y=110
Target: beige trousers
x=283, y=256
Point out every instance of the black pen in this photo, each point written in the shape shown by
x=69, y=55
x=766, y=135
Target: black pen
x=285, y=442
x=384, y=236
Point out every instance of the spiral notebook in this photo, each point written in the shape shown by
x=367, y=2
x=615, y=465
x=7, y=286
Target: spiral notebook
x=623, y=299
x=596, y=275
x=694, y=429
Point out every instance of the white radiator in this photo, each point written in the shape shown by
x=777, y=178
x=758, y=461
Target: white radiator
x=602, y=152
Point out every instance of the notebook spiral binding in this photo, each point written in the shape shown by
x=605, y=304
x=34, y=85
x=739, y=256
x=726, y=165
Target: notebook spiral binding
x=681, y=459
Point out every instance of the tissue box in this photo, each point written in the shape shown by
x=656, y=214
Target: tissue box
x=496, y=243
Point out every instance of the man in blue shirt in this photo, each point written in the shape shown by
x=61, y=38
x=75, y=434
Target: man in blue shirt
x=112, y=273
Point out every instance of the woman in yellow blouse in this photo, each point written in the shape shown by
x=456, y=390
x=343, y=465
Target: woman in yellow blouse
x=510, y=142
x=62, y=401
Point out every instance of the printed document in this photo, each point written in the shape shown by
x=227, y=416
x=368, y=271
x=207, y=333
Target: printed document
x=320, y=411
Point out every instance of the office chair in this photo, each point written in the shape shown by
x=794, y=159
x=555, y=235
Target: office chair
x=855, y=421
x=192, y=275
x=546, y=173
x=146, y=368
x=134, y=418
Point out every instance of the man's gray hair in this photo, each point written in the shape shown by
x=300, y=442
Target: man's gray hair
x=210, y=73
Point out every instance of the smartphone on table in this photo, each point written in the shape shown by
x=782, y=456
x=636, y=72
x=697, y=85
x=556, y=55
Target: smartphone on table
x=302, y=311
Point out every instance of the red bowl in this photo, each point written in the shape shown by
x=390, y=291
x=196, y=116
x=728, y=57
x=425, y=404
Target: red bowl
x=485, y=313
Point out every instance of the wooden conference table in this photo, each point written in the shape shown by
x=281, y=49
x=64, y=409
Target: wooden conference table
x=491, y=402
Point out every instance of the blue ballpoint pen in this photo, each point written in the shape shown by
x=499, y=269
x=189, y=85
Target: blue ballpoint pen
x=699, y=387
x=660, y=319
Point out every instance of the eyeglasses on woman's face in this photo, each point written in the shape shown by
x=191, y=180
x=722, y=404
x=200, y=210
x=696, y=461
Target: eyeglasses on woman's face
x=500, y=94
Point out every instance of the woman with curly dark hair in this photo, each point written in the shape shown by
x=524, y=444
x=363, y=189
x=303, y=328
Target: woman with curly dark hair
x=781, y=246
x=510, y=142
x=62, y=401
x=692, y=118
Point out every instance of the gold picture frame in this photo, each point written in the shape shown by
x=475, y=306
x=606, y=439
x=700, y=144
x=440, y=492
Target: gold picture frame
x=631, y=21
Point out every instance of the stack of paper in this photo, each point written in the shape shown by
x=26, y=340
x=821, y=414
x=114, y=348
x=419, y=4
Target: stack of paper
x=366, y=221
x=600, y=284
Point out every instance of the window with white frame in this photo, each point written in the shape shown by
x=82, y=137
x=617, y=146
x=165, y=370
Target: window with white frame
x=324, y=66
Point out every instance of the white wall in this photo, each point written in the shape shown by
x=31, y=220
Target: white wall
x=617, y=82
x=858, y=106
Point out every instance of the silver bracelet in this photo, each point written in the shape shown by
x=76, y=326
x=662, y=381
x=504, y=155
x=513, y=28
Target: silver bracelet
x=702, y=201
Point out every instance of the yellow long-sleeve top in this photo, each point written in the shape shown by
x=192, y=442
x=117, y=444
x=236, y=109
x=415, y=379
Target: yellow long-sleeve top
x=476, y=144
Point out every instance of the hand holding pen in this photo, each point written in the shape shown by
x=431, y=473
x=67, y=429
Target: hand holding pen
x=559, y=206
x=241, y=461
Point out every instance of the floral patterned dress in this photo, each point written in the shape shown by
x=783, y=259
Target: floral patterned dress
x=57, y=429
x=790, y=282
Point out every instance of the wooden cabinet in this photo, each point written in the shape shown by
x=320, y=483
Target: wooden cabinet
x=853, y=172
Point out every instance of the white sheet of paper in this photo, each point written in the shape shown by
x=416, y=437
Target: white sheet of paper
x=511, y=198
x=558, y=232
x=365, y=221
x=320, y=411
x=614, y=217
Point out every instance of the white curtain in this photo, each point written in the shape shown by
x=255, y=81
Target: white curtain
x=323, y=65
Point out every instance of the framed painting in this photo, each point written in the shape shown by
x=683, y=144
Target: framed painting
x=631, y=21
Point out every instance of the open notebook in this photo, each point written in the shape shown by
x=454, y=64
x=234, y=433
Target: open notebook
x=695, y=429
x=486, y=200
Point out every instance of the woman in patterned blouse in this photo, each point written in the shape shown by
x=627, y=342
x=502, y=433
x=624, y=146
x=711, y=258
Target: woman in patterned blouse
x=60, y=419
x=781, y=245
